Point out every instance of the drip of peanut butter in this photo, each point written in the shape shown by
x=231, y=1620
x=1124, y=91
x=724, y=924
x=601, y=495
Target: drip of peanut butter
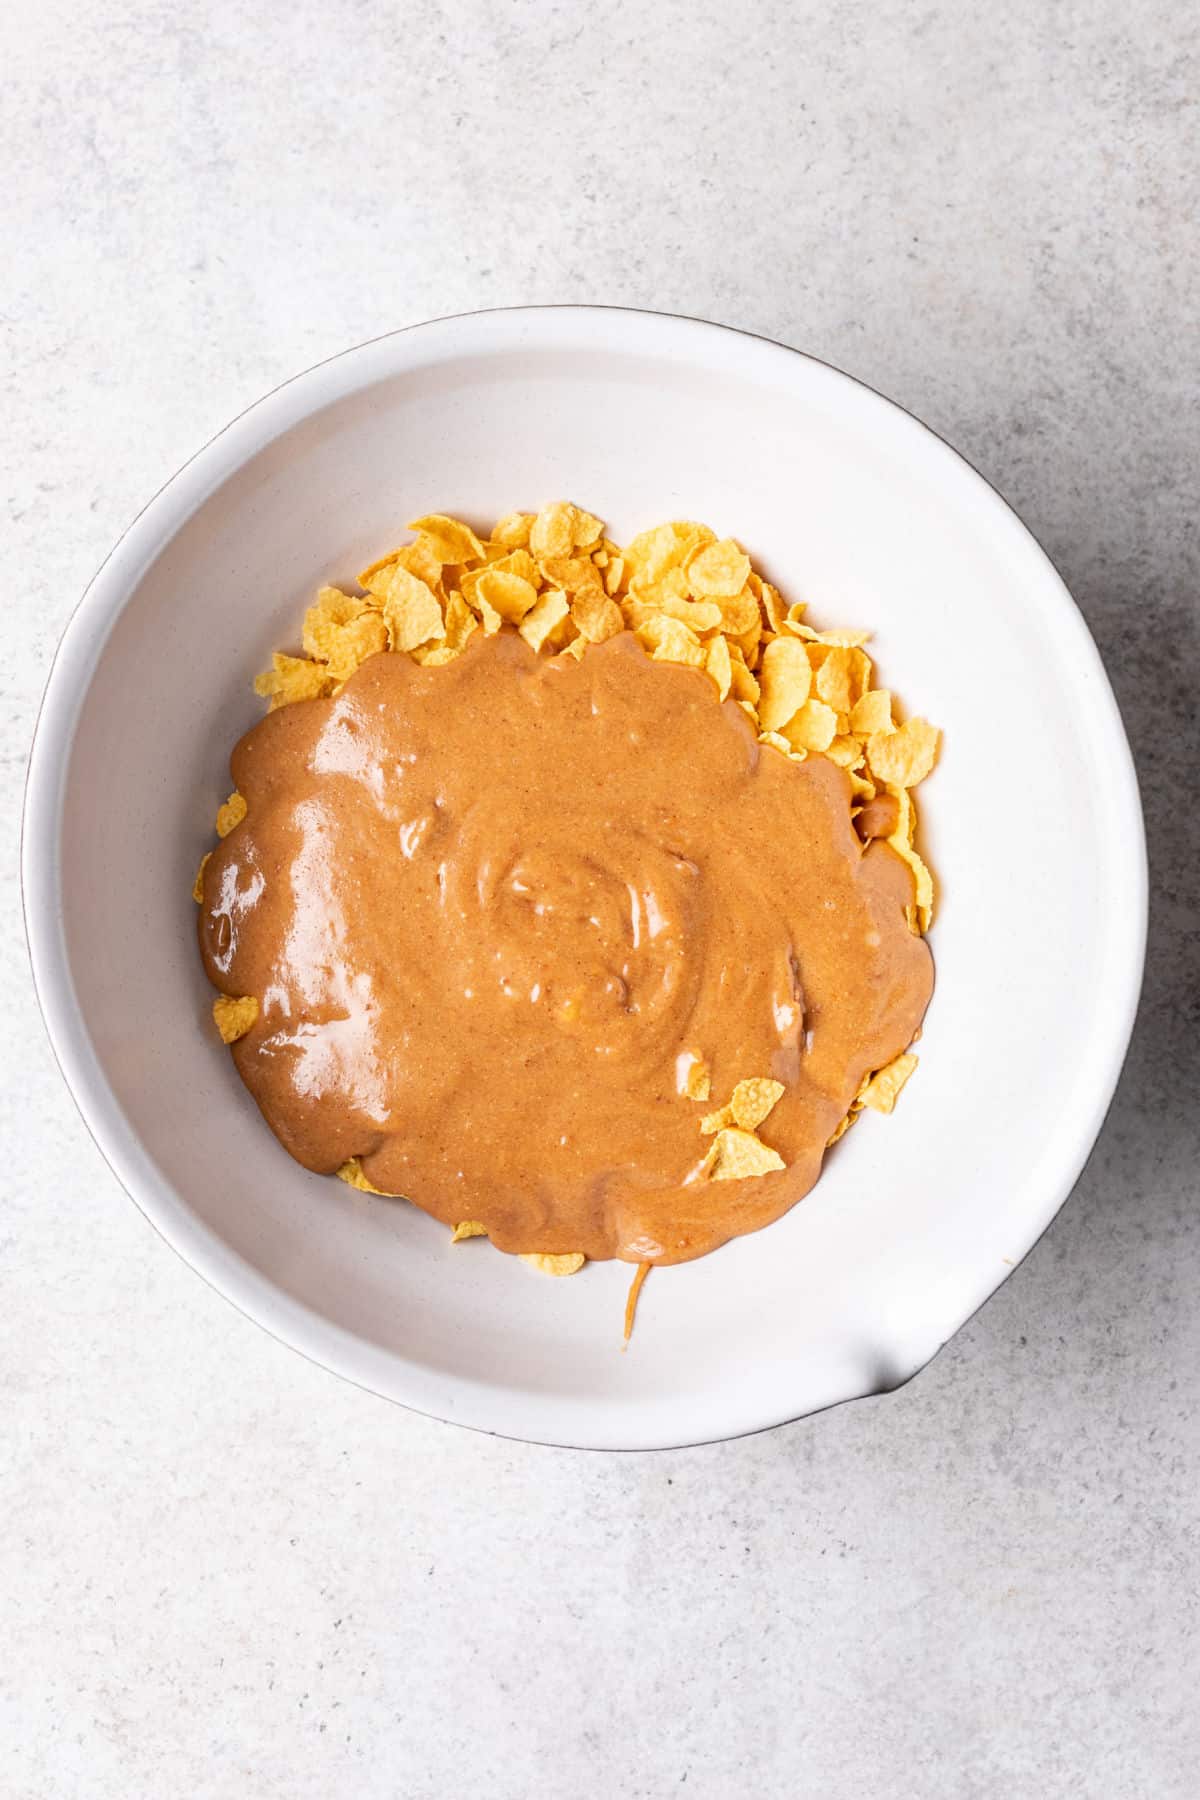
x=496, y=914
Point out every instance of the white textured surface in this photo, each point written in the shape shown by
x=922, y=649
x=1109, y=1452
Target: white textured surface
x=225, y=1573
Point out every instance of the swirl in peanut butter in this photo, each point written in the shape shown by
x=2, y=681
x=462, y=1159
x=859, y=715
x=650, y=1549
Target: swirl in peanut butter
x=496, y=912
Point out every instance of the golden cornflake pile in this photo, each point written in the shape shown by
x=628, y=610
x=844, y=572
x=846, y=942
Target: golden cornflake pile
x=689, y=597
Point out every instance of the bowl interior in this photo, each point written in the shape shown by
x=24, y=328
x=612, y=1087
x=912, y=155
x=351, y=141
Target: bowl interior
x=1030, y=823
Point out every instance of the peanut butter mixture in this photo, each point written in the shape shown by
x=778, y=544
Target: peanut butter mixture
x=516, y=924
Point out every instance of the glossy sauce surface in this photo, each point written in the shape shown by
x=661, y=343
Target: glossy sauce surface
x=493, y=911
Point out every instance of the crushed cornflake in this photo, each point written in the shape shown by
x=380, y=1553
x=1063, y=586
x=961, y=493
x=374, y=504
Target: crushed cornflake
x=719, y=664
x=882, y=1089
x=292, y=678
x=198, y=884
x=448, y=539
x=785, y=680
x=904, y=756
x=568, y=1264
x=412, y=611
x=814, y=727
x=341, y=631
x=737, y=1154
x=597, y=618
x=560, y=528
x=670, y=640
x=234, y=1016
x=351, y=1173
x=720, y=568
x=512, y=531
x=548, y=611
x=748, y=1105
x=871, y=712
x=230, y=813
x=508, y=593
x=467, y=1228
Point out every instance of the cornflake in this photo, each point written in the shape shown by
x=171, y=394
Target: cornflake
x=234, y=1016
x=341, y=631
x=351, y=1173
x=512, y=531
x=230, y=813
x=881, y=1091
x=411, y=611
x=749, y=1104
x=292, y=678
x=198, y=884
x=722, y=568
x=450, y=541
x=547, y=611
x=669, y=640
x=785, y=679
x=905, y=756
x=468, y=1228
x=568, y=1264
x=737, y=1154
x=509, y=594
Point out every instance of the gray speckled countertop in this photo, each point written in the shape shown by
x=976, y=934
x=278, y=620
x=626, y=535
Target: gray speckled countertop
x=226, y=1574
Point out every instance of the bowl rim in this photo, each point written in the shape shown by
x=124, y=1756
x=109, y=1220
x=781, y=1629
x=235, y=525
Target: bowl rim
x=83, y=638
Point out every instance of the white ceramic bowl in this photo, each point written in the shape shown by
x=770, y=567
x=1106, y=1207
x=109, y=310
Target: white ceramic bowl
x=1032, y=824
